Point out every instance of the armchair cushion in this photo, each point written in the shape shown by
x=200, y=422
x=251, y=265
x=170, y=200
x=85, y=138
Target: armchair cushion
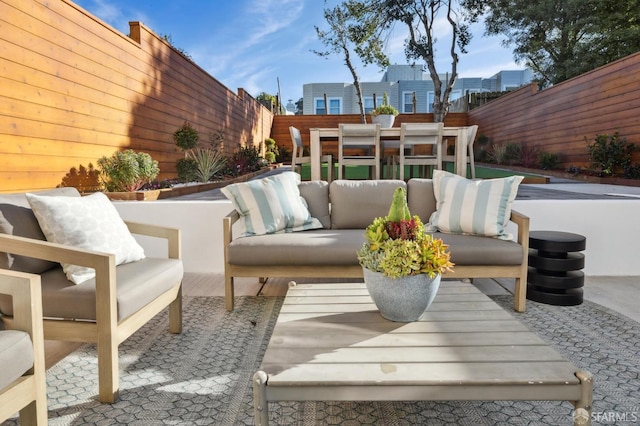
x=138, y=283
x=17, y=218
x=90, y=222
x=16, y=355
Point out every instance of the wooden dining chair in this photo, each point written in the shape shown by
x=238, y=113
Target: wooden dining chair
x=298, y=158
x=471, y=137
x=354, y=136
x=415, y=136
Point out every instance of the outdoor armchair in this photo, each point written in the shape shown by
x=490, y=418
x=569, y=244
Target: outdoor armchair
x=104, y=310
x=22, y=375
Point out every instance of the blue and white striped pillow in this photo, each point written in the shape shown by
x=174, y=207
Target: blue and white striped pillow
x=271, y=205
x=473, y=207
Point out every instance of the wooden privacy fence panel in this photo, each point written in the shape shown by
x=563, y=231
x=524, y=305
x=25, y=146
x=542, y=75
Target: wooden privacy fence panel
x=558, y=119
x=74, y=89
x=281, y=123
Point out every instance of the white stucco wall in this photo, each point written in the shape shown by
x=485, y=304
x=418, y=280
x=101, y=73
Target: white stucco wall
x=612, y=228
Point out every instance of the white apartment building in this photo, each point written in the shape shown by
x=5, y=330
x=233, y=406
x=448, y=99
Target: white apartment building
x=402, y=84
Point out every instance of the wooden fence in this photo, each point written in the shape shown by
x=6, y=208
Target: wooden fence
x=74, y=89
x=559, y=118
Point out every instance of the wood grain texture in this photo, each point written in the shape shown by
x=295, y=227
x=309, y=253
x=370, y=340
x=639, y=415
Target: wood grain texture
x=75, y=89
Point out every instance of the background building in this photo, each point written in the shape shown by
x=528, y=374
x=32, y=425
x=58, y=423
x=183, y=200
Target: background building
x=406, y=86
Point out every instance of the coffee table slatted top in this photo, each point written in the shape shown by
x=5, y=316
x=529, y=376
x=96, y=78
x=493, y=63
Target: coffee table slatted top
x=331, y=336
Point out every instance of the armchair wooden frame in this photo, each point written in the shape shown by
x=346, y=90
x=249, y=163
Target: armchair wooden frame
x=106, y=332
x=28, y=394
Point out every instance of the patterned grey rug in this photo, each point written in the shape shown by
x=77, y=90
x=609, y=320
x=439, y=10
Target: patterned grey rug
x=203, y=376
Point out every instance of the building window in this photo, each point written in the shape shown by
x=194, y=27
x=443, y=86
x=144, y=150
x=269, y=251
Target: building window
x=430, y=97
x=319, y=106
x=407, y=102
x=455, y=94
x=335, y=106
x=368, y=104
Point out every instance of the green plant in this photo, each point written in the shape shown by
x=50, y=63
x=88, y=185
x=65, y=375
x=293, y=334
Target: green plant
x=207, y=161
x=610, y=153
x=186, y=168
x=529, y=155
x=245, y=160
x=512, y=153
x=127, y=170
x=497, y=153
x=271, y=152
x=384, y=108
x=397, y=245
x=186, y=137
x=632, y=171
x=549, y=160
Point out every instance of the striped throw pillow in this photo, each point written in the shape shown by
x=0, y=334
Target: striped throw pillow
x=271, y=205
x=473, y=207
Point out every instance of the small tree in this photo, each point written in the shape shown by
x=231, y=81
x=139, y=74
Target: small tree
x=421, y=19
x=352, y=31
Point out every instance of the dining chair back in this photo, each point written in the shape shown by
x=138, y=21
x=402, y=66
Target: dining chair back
x=472, y=131
x=353, y=136
x=298, y=157
x=413, y=135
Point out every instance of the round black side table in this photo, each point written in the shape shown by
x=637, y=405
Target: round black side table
x=554, y=276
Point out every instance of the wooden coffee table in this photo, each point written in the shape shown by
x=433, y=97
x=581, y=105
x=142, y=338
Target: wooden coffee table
x=331, y=344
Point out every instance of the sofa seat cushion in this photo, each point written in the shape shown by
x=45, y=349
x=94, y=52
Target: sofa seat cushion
x=321, y=247
x=16, y=356
x=471, y=250
x=138, y=283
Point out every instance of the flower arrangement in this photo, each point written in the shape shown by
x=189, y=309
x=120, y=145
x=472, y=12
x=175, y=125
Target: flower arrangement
x=385, y=108
x=397, y=245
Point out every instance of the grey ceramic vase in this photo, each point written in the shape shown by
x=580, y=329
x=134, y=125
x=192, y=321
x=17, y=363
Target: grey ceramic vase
x=401, y=299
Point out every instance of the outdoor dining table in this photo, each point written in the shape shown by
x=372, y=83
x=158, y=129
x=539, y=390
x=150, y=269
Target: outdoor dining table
x=318, y=134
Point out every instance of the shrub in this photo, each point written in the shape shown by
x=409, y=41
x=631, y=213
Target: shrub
x=246, y=159
x=271, y=152
x=497, y=153
x=186, y=168
x=513, y=153
x=186, y=137
x=549, y=160
x=610, y=153
x=207, y=161
x=127, y=170
x=529, y=155
x=632, y=171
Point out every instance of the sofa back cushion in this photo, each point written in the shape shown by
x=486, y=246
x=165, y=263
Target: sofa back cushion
x=355, y=203
x=17, y=218
x=316, y=194
x=420, y=198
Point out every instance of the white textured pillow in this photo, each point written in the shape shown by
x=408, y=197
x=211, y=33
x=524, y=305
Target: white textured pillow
x=90, y=222
x=473, y=207
x=271, y=205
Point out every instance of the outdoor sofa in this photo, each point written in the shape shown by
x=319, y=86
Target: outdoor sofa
x=344, y=208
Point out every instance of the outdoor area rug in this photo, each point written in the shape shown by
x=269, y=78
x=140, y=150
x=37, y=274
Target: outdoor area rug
x=203, y=376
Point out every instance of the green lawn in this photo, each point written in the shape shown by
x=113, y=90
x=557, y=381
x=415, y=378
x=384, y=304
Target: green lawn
x=362, y=172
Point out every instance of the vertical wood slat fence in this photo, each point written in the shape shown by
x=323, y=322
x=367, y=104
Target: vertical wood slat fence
x=74, y=89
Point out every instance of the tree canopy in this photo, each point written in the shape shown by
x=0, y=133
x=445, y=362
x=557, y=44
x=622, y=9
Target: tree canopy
x=560, y=39
x=350, y=31
x=422, y=19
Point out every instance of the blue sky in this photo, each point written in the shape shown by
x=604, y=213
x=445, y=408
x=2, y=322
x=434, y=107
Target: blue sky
x=250, y=44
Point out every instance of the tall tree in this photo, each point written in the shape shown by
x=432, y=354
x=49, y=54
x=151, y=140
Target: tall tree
x=351, y=32
x=421, y=18
x=560, y=39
